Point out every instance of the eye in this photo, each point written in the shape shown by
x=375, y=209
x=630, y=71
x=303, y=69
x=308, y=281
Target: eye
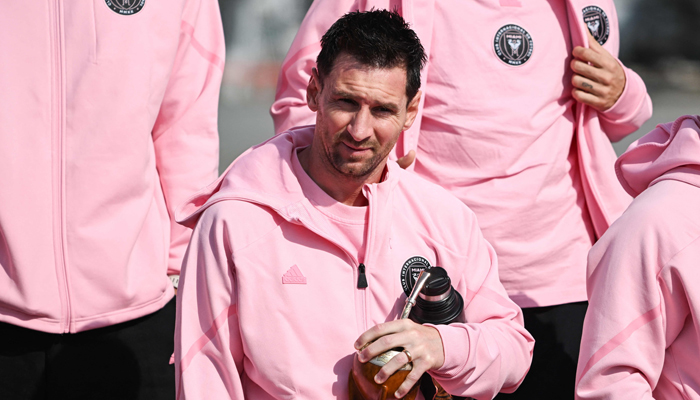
x=384, y=111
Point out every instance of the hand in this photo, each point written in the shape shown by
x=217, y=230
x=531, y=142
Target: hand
x=406, y=161
x=598, y=77
x=423, y=342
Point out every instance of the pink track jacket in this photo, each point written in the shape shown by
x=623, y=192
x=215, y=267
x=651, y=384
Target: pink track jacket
x=269, y=308
x=107, y=121
x=641, y=337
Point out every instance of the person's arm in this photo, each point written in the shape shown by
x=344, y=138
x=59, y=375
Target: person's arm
x=631, y=110
x=290, y=109
x=615, y=91
x=208, y=348
x=492, y=351
x=489, y=353
x=624, y=334
x=185, y=134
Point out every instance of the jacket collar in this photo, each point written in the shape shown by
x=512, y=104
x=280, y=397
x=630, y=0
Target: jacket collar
x=264, y=175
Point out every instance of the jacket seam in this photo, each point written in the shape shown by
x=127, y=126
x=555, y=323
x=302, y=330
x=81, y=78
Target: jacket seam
x=252, y=242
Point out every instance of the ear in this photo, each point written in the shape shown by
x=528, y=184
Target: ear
x=412, y=110
x=313, y=90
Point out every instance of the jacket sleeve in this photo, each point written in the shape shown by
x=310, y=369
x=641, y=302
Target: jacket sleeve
x=208, y=348
x=633, y=108
x=185, y=133
x=290, y=109
x=624, y=334
x=492, y=351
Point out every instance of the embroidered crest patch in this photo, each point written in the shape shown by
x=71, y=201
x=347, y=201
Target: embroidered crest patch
x=410, y=271
x=513, y=45
x=125, y=7
x=598, y=24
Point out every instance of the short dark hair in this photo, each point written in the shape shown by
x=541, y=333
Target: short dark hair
x=377, y=38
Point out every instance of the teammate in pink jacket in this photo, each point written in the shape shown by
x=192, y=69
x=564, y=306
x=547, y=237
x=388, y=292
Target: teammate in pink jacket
x=641, y=338
x=108, y=113
x=518, y=111
x=305, y=249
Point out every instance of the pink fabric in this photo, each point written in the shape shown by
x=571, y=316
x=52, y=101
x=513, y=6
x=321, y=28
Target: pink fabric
x=510, y=3
x=107, y=122
x=552, y=272
x=346, y=223
x=208, y=55
x=514, y=166
x=291, y=340
x=641, y=336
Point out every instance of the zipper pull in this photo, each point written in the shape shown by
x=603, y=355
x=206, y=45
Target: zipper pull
x=361, y=278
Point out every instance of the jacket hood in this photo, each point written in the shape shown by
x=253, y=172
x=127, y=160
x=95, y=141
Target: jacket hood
x=671, y=151
x=264, y=175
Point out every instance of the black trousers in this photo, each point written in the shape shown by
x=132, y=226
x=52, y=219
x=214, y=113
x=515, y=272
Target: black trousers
x=124, y=361
x=557, y=332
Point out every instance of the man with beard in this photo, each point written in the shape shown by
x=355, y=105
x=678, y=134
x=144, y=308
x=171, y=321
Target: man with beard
x=297, y=256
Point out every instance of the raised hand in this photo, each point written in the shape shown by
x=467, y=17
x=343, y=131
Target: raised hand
x=598, y=77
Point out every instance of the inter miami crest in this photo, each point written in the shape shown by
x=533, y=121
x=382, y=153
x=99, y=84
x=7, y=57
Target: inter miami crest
x=513, y=45
x=410, y=271
x=597, y=22
x=125, y=7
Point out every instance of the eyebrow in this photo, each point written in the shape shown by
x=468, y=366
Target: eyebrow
x=342, y=94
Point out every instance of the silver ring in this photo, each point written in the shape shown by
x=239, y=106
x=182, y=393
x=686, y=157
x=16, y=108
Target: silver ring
x=410, y=359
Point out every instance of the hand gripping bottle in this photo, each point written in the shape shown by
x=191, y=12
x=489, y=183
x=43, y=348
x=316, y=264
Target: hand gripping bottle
x=433, y=300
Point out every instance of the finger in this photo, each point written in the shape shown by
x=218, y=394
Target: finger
x=410, y=381
x=378, y=331
x=406, y=161
x=606, y=61
x=382, y=345
x=588, y=55
x=585, y=84
x=395, y=364
x=587, y=99
x=592, y=42
x=586, y=70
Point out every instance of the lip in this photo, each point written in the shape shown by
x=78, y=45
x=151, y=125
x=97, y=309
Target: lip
x=357, y=149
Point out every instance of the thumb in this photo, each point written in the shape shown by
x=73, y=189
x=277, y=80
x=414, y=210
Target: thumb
x=406, y=161
x=592, y=42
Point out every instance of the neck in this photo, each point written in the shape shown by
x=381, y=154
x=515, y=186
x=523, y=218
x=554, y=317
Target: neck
x=344, y=189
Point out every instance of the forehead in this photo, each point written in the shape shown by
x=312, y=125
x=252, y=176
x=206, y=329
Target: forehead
x=349, y=76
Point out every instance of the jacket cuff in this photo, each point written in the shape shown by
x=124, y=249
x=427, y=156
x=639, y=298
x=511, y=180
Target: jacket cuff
x=455, y=346
x=627, y=106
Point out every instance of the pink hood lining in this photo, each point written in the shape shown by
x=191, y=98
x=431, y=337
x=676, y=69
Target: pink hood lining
x=267, y=163
x=671, y=151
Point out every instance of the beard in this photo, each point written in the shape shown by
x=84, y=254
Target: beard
x=356, y=167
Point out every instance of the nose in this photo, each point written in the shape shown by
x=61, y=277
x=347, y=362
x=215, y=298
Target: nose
x=360, y=128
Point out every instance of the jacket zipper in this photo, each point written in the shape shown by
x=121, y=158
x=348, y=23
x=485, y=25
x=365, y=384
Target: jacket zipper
x=59, y=204
x=370, y=229
x=361, y=277
x=360, y=268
